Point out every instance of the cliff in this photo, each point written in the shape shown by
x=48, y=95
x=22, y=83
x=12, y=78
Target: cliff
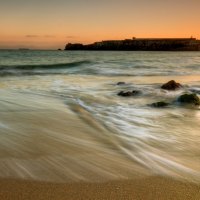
x=141, y=44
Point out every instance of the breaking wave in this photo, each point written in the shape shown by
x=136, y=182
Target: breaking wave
x=41, y=69
x=45, y=66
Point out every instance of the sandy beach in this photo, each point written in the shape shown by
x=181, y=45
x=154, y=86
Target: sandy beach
x=152, y=188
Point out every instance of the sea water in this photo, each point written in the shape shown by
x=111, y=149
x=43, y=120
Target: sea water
x=163, y=141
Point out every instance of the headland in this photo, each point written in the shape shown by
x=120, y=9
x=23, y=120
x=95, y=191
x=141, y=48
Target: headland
x=140, y=44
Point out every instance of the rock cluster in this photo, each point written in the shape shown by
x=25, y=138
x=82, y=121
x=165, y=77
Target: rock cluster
x=188, y=98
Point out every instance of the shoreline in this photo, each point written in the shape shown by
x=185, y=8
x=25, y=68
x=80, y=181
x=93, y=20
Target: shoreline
x=77, y=147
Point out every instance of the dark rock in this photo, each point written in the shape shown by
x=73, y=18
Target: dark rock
x=59, y=49
x=121, y=83
x=160, y=104
x=189, y=99
x=125, y=94
x=129, y=93
x=171, y=85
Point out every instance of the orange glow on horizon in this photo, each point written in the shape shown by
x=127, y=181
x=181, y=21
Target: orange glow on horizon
x=51, y=24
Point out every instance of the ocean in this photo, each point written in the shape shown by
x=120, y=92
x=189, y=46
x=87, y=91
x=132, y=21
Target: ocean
x=61, y=118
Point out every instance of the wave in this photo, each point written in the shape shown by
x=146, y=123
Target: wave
x=83, y=72
x=45, y=66
x=88, y=67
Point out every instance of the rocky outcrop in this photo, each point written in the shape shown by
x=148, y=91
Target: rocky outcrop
x=141, y=44
x=171, y=85
x=189, y=99
x=76, y=46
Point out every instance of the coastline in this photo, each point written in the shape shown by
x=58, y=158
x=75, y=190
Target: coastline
x=140, y=44
x=77, y=146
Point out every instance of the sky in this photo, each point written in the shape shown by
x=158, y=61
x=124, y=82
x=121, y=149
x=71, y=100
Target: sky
x=50, y=24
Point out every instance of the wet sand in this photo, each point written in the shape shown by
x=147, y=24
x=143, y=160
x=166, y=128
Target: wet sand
x=42, y=139
x=152, y=188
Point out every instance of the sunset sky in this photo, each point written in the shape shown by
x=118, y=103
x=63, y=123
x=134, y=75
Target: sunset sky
x=49, y=24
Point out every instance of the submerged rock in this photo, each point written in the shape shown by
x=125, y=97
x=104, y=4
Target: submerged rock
x=128, y=93
x=189, y=99
x=160, y=104
x=171, y=85
x=121, y=83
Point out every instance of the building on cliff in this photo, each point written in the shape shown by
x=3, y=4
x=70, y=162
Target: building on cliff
x=141, y=44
